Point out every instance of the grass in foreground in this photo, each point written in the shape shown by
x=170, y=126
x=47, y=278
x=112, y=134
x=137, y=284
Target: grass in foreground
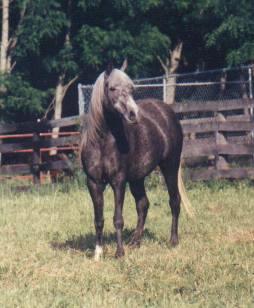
x=47, y=241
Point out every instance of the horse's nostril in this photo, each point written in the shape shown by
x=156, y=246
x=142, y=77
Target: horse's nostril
x=132, y=116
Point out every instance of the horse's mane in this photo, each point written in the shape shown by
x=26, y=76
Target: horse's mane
x=94, y=118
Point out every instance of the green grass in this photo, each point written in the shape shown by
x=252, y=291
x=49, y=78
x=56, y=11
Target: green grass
x=47, y=241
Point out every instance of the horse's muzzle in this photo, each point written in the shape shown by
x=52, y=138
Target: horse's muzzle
x=132, y=113
x=133, y=117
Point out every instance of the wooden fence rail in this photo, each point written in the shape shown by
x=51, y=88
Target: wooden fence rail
x=36, y=139
x=30, y=127
x=221, y=136
x=216, y=135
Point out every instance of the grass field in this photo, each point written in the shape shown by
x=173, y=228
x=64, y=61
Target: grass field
x=47, y=241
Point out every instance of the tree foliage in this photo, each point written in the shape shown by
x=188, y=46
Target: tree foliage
x=233, y=34
x=20, y=101
x=63, y=39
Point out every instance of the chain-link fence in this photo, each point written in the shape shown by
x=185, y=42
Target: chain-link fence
x=213, y=85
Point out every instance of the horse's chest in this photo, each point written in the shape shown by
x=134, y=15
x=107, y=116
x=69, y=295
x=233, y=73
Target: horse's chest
x=110, y=164
x=104, y=163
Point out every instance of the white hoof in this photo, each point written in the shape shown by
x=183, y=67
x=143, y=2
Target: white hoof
x=98, y=254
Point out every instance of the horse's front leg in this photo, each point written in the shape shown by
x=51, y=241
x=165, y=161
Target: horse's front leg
x=96, y=192
x=119, y=192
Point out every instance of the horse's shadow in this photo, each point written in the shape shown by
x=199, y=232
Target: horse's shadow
x=86, y=243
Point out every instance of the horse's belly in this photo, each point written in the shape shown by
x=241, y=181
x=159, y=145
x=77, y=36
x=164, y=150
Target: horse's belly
x=139, y=168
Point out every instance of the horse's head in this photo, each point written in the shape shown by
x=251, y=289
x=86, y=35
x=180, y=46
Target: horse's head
x=118, y=95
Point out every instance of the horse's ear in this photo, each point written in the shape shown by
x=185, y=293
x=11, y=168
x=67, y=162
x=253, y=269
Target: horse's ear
x=109, y=69
x=124, y=65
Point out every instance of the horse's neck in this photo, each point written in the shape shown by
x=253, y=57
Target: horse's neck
x=113, y=122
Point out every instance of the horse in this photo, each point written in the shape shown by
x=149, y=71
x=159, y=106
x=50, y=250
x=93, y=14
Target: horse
x=124, y=141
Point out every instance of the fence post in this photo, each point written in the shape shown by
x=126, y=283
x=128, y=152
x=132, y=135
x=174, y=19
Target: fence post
x=251, y=97
x=81, y=102
x=1, y=154
x=36, y=158
x=250, y=88
x=220, y=160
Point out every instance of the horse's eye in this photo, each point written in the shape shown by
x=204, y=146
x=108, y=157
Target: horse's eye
x=112, y=89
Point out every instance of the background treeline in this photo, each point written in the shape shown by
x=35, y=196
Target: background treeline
x=47, y=46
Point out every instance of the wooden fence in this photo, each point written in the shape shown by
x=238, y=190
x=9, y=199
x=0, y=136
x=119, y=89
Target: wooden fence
x=37, y=138
x=218, y=141
x=219, y=138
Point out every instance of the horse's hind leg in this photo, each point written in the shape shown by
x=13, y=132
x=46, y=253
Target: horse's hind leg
x=138, y=191
x=96, y=192
x=170, y=174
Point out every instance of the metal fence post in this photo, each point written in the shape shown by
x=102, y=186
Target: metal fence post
x=81, y=102
x=251, y=97
x=1, y=154
x=250, y=88
x=164, y=88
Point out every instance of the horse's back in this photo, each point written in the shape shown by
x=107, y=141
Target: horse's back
x=163, y=116
x=157, y=109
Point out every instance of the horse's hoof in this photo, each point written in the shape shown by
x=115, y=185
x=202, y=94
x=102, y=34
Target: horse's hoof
x=174, y=242
x=119, y=253
x=135, y=240
x=134, y=244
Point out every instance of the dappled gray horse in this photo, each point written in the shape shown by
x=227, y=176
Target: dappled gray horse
x=124, y=142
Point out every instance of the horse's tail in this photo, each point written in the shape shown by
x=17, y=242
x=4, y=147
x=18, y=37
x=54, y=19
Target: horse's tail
x=184, y=198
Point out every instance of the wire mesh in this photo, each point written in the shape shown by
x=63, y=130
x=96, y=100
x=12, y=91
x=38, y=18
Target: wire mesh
x=215, y=85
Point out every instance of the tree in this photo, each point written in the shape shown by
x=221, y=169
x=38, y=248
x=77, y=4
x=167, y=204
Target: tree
x=87, y=47
x=185, y=21
x=53, y=43
x=12, y=20
x=170, y=67
x=4, y=63
x=114, y=30
x=233, y=35
x=18, y=99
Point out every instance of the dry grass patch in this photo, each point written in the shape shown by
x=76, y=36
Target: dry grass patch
x=241, y=236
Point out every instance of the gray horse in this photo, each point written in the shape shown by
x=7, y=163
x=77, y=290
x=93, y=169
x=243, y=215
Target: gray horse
x=124, y=142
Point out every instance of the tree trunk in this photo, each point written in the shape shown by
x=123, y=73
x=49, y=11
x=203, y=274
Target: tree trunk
x=59, y=96
x=5, y=37
x=170, y=89
x=170, y=67
x=61, y=89
x=243, y=85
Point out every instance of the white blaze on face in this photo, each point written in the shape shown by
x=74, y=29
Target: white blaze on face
x=98, y=253
x=129, y=109
x=131, y=105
